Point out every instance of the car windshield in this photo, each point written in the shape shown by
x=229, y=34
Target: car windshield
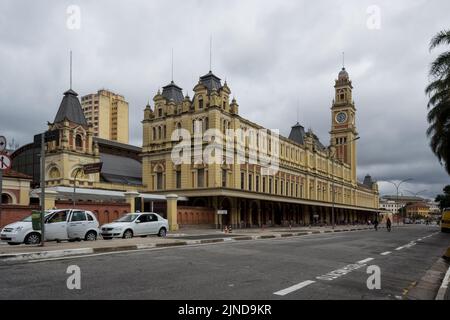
x=127, y=218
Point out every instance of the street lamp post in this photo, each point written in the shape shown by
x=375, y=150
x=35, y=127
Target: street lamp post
x=416, y=193
x=79, y=170
x=397, y=186
x=332, y=182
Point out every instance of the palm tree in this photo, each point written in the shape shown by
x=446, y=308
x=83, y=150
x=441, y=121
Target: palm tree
x=439, y=104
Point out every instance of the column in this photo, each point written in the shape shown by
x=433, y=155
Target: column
x=172, y=211
x=129, y=198
x=50, y=199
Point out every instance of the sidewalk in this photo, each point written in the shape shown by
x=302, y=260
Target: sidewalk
x=178, y=238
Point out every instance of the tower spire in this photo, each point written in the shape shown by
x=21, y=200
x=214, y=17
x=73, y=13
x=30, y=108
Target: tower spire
x=210, y=53
x=343, y=60
x=71, y=69
x=172, y=64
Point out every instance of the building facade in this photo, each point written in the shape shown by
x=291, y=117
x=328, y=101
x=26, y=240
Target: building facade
x=108, y=114
x=394, y=204
x=417, y=210
x=310, y=183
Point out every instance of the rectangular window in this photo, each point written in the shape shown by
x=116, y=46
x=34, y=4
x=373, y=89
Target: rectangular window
x=276, y=186
x=264, y=184
x=250, y=182
x=282, y=187
x=257, y=184
x=201, y=178
x=159, y=181
x=242, y=180
x=178, y=178
x=270, y=185
x=224, y=178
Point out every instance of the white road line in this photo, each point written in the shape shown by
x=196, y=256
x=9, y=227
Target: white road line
x=294, y=288
x=386, y=253
x=365, y=260
x=441, y=293
x=399, y=248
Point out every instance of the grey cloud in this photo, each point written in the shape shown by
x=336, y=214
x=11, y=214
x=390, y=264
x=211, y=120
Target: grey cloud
x=275, y=55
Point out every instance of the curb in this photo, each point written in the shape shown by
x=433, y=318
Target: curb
x=429, y=284
x=86, y=251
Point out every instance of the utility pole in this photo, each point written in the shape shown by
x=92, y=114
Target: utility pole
x=42, y=200
x=75, y=185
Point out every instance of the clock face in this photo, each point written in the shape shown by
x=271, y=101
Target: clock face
x=341, y=117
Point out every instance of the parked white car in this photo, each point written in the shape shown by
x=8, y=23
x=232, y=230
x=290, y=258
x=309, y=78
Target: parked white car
x=63, y=224
x=136, y=224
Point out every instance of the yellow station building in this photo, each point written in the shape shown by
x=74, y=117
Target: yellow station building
x=300, y=192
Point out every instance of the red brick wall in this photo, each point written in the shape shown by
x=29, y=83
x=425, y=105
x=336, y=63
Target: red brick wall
x=13, y=213
x=188, y=216
x=105, y=211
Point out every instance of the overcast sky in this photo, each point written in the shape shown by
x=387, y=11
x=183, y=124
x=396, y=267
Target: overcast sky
x=278, y=57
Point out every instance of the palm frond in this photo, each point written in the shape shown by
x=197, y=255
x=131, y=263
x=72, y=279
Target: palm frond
x=442, y=37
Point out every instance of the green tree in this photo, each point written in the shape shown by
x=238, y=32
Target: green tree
x=439, y=104
x=444, y=199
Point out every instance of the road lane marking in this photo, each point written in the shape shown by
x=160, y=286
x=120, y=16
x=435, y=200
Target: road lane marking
x=294, y=288
x=386, y=253
x=365, y=260
x=399, y=248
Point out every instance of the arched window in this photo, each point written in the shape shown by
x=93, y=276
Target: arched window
x=159, y=177
x=54, y=173
x=200, y=102
x=6, y=199
x=78, y=141
x=159, y=133
x=154, y=133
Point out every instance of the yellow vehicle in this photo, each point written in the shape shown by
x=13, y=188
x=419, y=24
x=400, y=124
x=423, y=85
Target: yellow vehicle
x=445, y=222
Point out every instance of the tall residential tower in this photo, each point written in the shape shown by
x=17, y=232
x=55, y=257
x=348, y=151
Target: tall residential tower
x=108, y=114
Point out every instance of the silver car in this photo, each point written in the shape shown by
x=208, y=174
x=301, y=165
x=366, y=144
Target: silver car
x=135, y=224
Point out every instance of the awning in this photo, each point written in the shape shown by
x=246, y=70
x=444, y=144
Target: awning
x=96, y=194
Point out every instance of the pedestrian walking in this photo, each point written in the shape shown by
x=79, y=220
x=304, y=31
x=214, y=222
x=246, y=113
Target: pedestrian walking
x=375, y=224
x=388, y=224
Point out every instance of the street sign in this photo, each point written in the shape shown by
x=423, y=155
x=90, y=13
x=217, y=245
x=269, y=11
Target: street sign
x=92, y=168
x=222, y=212
x=2, y=143
x=5, y=162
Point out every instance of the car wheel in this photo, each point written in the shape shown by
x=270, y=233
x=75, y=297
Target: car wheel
x=162, y=232
x=91, y=236
x=33, y=238
x=128, y=234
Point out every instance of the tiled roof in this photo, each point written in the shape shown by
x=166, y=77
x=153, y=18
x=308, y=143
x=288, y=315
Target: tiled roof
x=70, y=109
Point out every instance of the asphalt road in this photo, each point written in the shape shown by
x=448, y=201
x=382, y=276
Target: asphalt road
x=263, y=269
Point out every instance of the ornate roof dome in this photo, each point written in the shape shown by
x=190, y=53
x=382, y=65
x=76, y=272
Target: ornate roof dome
x=343, y=74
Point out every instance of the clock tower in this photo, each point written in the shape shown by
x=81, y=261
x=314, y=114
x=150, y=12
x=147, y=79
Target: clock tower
x=343, y=127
